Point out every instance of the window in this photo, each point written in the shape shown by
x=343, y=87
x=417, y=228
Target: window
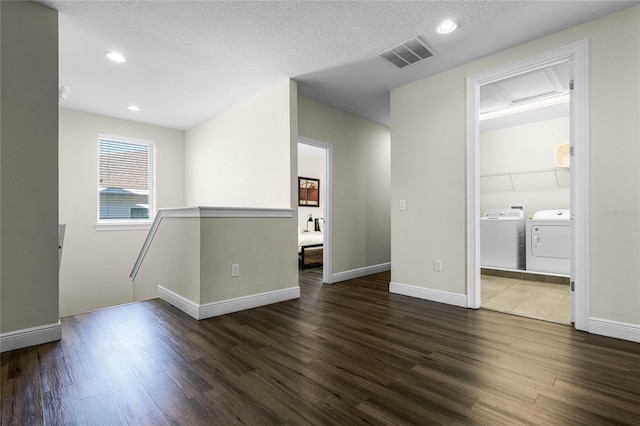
x=126, y=190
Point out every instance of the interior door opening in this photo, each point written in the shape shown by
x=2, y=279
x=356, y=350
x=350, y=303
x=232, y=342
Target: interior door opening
x=539, y=231
x=314, y=206
x=525, y=183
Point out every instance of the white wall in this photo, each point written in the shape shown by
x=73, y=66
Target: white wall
x=312, y=167
x=527, y=147
x=429, y=169
x=96, y=264
x=361, y=183
x=28, y=172
x=241, y=157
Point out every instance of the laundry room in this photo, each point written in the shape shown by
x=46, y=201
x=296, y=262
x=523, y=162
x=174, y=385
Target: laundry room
x=525, y=194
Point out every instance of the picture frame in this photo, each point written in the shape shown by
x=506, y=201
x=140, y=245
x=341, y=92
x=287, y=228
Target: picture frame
x=308, y=192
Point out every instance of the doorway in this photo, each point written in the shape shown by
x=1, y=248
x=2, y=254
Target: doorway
x=314, y=216
x=525, y=173
x=576, y=56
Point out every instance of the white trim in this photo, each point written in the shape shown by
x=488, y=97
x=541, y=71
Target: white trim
x=577, y=53
x=616, y=329
x=473, y=194
x=360, y=272
x=327, y=265
x=439, y=296
x=237, y=304
x=182, y=212
x=123, y=226
x=125, y=139
x=185, y=305
x=580, y=188
x=26, y=337
x=213, y=309
x=203, y=212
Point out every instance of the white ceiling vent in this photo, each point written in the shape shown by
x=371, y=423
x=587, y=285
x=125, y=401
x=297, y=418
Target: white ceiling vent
x=407, y=53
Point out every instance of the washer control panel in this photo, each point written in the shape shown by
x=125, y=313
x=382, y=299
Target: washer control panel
x=504, y=213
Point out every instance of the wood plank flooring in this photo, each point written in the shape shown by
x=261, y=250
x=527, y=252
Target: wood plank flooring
x=348, y=353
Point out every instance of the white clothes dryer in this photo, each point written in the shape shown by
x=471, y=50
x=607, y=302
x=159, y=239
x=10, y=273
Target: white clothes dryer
x=549, y=242
x=502, y=239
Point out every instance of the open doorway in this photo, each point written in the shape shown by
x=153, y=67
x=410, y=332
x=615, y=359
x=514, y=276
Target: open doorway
x=576, y=56
x=524, y=164
x=314, y=207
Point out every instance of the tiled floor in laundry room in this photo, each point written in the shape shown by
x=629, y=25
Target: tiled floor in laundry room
x=533, y=299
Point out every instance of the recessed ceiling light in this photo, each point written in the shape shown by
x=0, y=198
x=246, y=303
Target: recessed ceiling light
x=133, y=108
x=447, y=26
x=116, y=57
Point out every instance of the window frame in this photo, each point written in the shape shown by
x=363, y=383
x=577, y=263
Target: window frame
x=127, y=224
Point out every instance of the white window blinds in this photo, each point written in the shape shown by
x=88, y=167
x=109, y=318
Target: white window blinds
x=126, y=190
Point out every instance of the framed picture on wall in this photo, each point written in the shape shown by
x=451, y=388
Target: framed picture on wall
x=308, y=192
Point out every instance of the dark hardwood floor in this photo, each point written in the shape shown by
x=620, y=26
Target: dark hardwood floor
x=348, y=353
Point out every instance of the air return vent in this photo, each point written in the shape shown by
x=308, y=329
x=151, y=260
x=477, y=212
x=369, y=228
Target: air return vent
x=407, y=53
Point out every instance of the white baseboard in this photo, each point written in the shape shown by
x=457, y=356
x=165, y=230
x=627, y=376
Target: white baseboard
x=185, y=305
x=213, y=309
x=228, y=306
x=429, y=294
x=360, y=272
x=616, y=329
x=30, y=336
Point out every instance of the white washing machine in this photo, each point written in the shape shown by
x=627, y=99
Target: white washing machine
x=549, y=242
x=502, y=239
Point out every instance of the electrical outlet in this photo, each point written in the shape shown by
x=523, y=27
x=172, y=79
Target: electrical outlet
x=403, y=205
x=235, y=270
x=437, y=265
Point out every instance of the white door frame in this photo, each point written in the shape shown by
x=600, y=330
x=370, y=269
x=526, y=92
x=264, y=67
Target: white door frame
x=577, y=53
x=328, y=173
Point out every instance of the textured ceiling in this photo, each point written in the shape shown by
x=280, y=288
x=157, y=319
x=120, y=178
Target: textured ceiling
x=187, y=61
